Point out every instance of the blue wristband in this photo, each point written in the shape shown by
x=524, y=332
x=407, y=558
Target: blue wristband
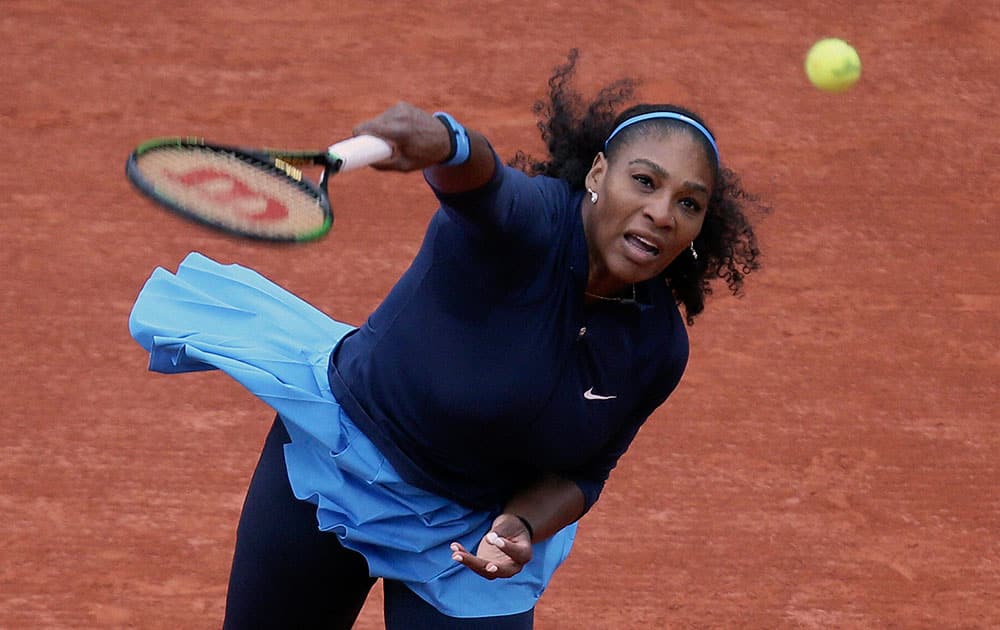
x=461, y=148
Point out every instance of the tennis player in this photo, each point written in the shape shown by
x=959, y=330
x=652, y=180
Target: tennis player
x=450, y=444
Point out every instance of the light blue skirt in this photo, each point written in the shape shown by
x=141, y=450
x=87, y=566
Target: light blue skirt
x=211, y=316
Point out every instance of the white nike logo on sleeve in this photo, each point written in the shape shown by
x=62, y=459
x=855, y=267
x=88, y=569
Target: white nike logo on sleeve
x=590, y=395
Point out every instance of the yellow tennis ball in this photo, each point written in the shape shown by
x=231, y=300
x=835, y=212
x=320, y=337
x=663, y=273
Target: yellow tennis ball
x=833, y=65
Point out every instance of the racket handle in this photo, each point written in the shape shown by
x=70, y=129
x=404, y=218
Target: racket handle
x=358, y=152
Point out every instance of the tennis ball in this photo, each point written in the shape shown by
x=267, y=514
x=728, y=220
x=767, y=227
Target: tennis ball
x=833, y=65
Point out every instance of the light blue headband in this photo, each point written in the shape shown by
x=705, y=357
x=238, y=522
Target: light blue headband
x=670, y=115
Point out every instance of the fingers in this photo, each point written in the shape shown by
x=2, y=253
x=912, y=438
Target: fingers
x=418, y=139
x=514, y=537
x=518, y=551
x=486, y=568
x=491, y=561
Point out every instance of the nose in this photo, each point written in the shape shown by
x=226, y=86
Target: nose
x=661, y=214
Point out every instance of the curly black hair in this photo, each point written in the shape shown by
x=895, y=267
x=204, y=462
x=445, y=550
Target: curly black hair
x=574, y=131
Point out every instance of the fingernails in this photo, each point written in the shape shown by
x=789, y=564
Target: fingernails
x=456, y=557
x=491, y=568
x=495, y=540
x=454, y=546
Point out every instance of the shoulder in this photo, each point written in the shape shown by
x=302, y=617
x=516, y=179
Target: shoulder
x=665, y=336
x=551, y=190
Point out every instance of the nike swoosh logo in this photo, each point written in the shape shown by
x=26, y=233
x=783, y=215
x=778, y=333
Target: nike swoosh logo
x=590, y=395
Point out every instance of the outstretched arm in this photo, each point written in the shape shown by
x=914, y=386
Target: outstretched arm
x=421, y=141
x=545, y=507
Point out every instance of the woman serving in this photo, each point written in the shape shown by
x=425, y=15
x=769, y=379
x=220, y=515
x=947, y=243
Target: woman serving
x=450, y=444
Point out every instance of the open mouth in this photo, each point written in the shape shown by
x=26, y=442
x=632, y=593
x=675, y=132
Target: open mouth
x=642, y=245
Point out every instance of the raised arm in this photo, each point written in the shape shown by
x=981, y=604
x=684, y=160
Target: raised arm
x=422, y=141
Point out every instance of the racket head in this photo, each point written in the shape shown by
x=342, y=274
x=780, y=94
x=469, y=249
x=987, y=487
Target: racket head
x=243, y=192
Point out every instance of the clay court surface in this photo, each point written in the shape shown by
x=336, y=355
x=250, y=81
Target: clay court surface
x=831, y=457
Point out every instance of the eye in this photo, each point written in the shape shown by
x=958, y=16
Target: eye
x=644, y=180
x=691, y=205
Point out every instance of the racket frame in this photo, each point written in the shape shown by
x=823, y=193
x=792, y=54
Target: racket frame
x=281, y=163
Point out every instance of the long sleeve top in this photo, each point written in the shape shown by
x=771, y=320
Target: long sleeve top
x=485, y=368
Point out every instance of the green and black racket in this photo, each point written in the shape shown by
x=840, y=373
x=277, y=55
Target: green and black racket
x=254, y=193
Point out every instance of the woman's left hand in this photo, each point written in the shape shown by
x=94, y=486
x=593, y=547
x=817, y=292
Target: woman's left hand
x=501, y=553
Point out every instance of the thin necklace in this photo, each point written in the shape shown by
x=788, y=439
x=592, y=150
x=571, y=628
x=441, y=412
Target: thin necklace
x=612, y=299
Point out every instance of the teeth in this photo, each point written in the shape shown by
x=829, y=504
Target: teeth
x=645, y=244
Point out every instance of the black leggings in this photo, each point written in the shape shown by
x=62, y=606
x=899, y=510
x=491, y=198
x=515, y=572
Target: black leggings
x=288, y=574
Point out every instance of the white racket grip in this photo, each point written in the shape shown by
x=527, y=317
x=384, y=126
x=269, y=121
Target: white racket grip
x=358, y=152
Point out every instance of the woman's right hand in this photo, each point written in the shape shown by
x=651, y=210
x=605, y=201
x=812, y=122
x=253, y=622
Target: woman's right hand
x=418, y=139
x=501, y=553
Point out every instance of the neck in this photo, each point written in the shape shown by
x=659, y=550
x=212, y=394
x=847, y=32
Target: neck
x=603, y=285
x=627, y=296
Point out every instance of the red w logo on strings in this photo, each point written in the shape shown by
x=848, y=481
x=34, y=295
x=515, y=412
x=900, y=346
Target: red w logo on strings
x=224, y=189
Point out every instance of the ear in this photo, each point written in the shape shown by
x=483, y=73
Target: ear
x=597, y=171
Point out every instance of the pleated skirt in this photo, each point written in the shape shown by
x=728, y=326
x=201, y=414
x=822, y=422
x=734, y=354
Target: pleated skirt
x=210, y=316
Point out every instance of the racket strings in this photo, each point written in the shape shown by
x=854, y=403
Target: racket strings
x=237, y=192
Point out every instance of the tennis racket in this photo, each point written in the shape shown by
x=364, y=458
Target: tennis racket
x=254, y=193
